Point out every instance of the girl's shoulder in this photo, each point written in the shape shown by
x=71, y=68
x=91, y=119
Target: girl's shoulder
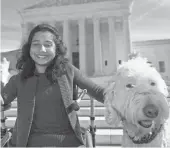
x=15, y=78
x=70, y=68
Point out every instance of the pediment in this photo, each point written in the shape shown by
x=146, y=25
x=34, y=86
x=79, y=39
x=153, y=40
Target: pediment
x=57, y=3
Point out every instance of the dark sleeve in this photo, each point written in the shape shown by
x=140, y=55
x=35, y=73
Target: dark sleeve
x=9, y=91
x=93, y=89
x=75, y=92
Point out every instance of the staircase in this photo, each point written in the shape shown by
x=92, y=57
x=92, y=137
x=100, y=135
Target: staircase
x=106, y=136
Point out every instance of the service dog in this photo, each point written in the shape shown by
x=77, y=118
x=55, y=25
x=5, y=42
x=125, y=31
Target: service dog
x=138, y=99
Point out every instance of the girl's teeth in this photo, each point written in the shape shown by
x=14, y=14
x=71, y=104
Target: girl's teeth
x=41, y=56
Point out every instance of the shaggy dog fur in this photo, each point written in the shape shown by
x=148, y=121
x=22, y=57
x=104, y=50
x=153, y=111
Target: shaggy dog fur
x=138, y=99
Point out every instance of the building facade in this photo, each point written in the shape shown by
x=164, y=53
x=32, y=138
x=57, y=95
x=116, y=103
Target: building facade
x=96, y=32
x=157, y=52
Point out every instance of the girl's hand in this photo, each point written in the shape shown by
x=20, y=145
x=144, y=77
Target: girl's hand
x=4, y=73
x=2, y=101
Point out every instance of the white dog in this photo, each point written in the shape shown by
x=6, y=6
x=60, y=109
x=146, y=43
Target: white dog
x=138, y=99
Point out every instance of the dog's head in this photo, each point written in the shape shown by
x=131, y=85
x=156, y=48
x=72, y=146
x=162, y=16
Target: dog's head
x=139, y=97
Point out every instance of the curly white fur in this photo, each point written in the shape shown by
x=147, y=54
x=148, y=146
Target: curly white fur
x=136, y=85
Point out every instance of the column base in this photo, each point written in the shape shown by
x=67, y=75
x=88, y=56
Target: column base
x=112, y=73
x=98, y=74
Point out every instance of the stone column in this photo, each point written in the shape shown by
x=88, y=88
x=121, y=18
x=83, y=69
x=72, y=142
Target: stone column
x=120, y=47
x=82, y=44
x=30, y=26
x=52, y=23
x=126, y=32
x=24, y=33
x=66, y=38
x=26, y=29
x=97, y=48
x=112, y=45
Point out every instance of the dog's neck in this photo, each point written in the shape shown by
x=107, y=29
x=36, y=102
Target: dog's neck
x=157, y=141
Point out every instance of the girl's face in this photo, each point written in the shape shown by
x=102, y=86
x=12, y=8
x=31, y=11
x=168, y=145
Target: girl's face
x=43, y=48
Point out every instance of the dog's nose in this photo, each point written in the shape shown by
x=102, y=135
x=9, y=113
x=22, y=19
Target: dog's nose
x=151, y=111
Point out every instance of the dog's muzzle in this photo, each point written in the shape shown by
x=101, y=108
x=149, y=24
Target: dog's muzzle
x=151, y=111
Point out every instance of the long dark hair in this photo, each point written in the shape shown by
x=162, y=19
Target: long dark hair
x=56, y=68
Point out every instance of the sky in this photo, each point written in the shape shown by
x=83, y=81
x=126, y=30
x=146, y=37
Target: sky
x=150, y=20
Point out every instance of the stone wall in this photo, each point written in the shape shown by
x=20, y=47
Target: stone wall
x=155, y=51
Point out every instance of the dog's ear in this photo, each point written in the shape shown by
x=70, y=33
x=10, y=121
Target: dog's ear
x=111, y=115
x=134, y=55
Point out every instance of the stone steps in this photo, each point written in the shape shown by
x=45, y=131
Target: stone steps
x=84, y=121
x=109, y=137
x=85, y=102
x=105, y=135
x=84, y=111
x=108, y=146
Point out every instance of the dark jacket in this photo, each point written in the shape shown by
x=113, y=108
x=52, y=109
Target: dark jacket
x=25, y=94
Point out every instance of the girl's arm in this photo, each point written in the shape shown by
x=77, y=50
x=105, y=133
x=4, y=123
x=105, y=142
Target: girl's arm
x=93, y=89
x=9, y=91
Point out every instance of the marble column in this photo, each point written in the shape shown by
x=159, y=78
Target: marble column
x=126, y=32
x=121, y=54
x=30, y=25
x=82, y=44
x=24, y=33
x=112, y=45
x=52, y=23
x=26, y=29
x=97, y=48
x=66, y=38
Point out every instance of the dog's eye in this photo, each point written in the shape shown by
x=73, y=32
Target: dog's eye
x=153, y=83
x=130, y=86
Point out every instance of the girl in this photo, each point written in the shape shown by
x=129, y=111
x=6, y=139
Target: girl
x=44, y=92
